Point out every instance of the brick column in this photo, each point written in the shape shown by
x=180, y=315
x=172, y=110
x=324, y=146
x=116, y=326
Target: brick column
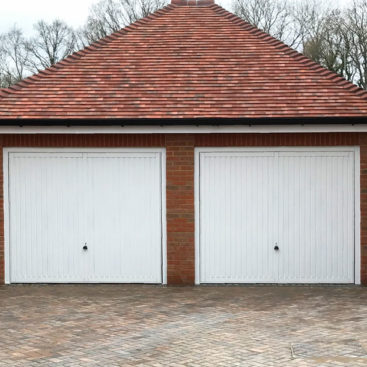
x=180, y=209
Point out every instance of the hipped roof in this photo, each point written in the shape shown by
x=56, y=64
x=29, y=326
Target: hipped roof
x=185, y=62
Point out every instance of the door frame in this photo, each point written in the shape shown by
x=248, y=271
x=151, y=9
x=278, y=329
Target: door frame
x=6, y=153
x=357, y=206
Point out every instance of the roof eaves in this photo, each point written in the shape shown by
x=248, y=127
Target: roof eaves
x=281, y=46
x=204, y=121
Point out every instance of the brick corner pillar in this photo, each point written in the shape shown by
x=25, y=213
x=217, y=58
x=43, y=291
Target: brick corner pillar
x=180, y=209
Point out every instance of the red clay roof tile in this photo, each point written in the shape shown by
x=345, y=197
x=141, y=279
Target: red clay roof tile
x=185, y=62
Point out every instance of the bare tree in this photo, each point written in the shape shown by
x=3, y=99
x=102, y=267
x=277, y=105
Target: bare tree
x=341, y=43
x=309, y=19
x=356, y=26
x=108, y=16
x=272, y=16
x=52, y=43
x=334, y=38
x=4, y=82
x=330, y=45
x=287, y=20
x=13, y=57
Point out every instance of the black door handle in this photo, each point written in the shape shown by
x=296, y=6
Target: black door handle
x=85, y=247
x=276, y=248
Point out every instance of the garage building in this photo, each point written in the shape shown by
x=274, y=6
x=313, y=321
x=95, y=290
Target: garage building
x=187, y=148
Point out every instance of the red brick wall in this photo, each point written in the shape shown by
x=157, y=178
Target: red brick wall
x=180, y=209
x=180, y=179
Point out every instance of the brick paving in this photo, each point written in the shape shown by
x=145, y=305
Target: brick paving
x=129, y=325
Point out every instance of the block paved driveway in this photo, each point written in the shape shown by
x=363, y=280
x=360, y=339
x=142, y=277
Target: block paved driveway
x=122, y=325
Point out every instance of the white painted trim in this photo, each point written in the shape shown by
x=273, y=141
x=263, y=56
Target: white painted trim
x=357, y=221
x=197, y=214
x=185, y=129
x=339, y=149
x=7, y=151
x=164, y=216
x=6, y=216
x=357, y=215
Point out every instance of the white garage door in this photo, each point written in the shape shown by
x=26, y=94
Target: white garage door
x=85, y=216
x=273, y=216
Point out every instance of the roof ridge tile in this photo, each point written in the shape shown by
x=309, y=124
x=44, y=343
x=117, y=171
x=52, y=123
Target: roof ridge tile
x=193, y=3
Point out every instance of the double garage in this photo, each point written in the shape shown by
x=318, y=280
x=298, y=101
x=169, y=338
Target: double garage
x=187, y=148
x=262, y=215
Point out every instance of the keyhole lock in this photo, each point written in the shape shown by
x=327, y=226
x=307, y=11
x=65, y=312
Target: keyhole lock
x=276, y=247
x=85, y=247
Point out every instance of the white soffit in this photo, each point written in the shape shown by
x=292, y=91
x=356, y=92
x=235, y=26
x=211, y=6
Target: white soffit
x=264, y=129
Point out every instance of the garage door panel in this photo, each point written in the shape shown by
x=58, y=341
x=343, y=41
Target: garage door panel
x=236, y=238
x=130, y=236
x=316, y=217
x=45, y=216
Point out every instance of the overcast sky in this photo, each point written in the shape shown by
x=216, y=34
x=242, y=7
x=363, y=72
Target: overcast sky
x=24, y=13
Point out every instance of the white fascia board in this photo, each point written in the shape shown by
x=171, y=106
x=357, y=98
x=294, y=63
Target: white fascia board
x=262, y=129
